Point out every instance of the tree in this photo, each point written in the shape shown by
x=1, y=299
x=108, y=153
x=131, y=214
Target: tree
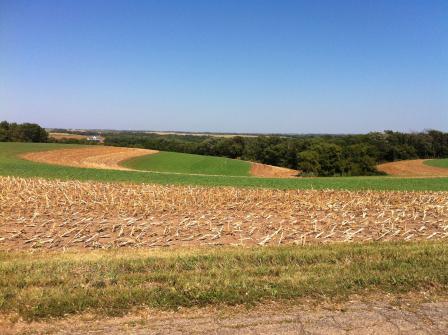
x=4, y=131
x=330, y=159
x=26, y=132
x=31, y=132
x=308, y=162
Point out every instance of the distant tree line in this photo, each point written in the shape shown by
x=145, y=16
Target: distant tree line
x=315, y=155
x=25, y=132
x=72, y=141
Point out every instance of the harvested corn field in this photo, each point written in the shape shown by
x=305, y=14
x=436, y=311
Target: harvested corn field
x=412, y=168
x=98, y=157
x=38, y=213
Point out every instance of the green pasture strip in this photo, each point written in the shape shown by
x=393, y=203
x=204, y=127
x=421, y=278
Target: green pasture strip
x=41, y=284
x=189, y=164
x=442, y=163
x=12, y=165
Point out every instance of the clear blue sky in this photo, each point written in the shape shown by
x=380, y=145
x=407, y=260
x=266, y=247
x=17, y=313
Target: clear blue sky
x=237, y=66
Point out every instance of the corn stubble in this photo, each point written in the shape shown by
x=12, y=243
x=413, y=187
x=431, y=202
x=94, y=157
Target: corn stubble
x=50, y=214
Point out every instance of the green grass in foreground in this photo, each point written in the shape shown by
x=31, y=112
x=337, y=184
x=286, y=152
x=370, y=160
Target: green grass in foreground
x=190, y=164
x=443, y=163
x=41, y=285
x=11, y=165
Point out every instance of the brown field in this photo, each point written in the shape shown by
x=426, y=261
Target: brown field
x=67, y=136
x=38, y=213
x=270, y=171
x=98, y=157
x=106, y=157
x=199, y=134
x=412, y=168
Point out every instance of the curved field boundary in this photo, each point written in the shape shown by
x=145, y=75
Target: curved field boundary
x=11, y=164
x=97, y=157
x=270, y=171
x=185, y=163
x=441, y=163
x=191, y=164
x=412, y=168
x=111, y=158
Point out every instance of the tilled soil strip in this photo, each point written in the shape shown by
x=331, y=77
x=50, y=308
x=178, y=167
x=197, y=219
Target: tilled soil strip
x=412, y=168
x=110, y=158
x=98, y=157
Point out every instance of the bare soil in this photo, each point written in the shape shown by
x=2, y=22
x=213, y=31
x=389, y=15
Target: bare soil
x=412, y=168
x=98, y=157
x=270, y=171
x=359, y=316
x=49, y=214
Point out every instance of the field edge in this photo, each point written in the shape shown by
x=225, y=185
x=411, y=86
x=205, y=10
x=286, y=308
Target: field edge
x=114, y=282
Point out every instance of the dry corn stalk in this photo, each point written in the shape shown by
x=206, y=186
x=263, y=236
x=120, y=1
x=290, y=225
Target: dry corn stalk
x=38, y=213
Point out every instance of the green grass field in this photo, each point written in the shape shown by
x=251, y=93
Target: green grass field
x=12, y=165
x=41, y=285
x=189, y=164
x=443, y=163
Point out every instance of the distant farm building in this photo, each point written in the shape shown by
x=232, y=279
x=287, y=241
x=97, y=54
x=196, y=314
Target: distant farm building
x=98, y=139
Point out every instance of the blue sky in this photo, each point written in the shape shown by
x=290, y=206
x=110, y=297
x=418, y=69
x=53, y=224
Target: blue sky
x=312, y=66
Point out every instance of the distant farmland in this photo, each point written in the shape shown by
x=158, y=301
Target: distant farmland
x=227, y=135
x=67, y=136
x=135, y=159
x=189, y=164
x=12, y=165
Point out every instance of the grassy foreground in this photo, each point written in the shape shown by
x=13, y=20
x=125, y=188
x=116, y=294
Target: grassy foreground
x=443, y=163
x=113, y=282
x=189, y=164
x=12, y=165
